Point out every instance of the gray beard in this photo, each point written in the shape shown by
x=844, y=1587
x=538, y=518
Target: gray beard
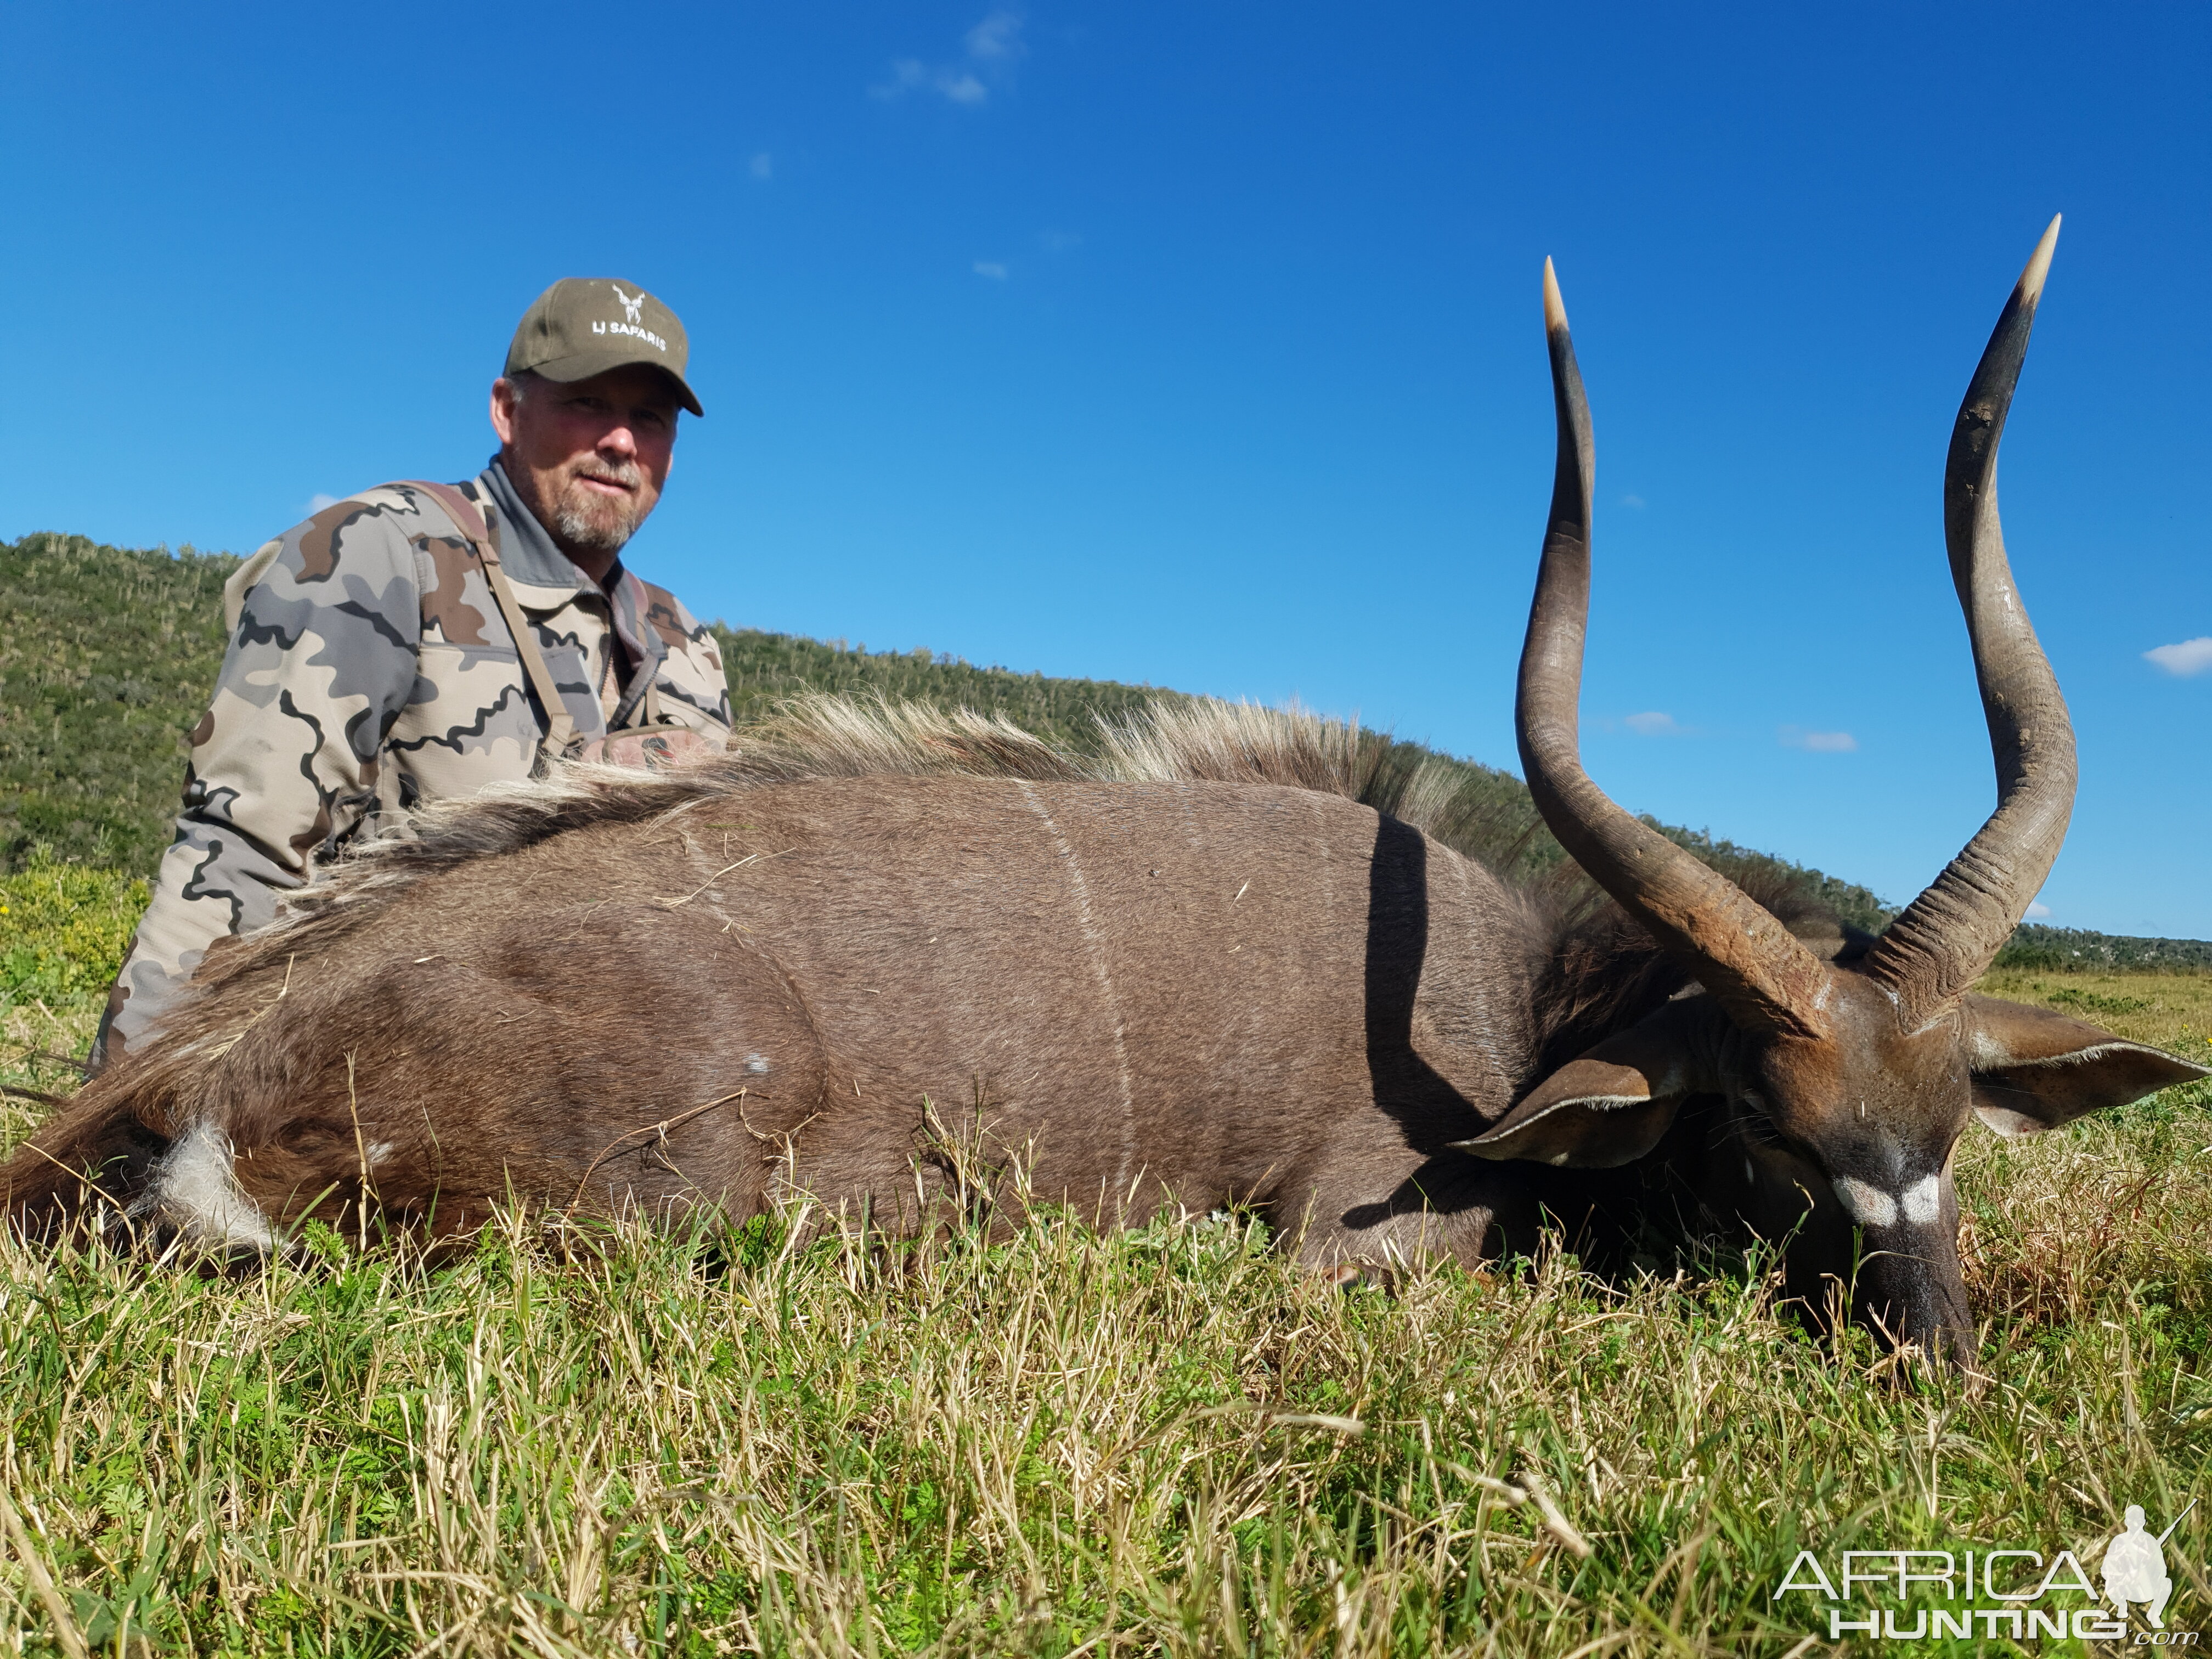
x=596, y=523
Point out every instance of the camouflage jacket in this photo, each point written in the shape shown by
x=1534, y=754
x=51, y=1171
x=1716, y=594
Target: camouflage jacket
x=369, y=668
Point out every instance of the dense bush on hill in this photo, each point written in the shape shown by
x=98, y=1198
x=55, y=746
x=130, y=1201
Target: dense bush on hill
x=106, y=655
x=1852, y=904
x=764, y=668
x=2035, y=945
x=107, y=652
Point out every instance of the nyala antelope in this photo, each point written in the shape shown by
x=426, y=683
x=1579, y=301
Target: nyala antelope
x=1236, y=959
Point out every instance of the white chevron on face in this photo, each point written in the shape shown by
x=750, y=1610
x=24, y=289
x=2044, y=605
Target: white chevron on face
x=1869, y=1206
x=1923, y=1200
x=1920, y=1203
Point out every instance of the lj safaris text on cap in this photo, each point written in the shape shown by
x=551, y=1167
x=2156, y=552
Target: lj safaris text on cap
x=632, y=329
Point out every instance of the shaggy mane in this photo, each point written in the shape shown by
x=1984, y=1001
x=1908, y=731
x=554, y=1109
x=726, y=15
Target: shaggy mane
x=833, y=736
x=1601, y=969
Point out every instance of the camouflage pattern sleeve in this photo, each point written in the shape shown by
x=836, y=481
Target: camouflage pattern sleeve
x=325, y=623
x=694, y=690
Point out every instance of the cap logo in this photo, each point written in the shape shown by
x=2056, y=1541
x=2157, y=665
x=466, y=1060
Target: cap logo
x=633, y=306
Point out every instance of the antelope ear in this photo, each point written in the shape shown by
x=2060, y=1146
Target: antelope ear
x=2034, y=1070
x=1610, y=1106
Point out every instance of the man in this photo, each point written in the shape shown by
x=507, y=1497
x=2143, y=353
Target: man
x=398, y=648
x=2135, y=1569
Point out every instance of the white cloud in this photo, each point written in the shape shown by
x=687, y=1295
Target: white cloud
x=762, y=165
x=1820, y=743
x=995, y=46
x=1059, y=241
x=317, y=501
x=998, y=36
x=1633, y=501
x=2037, y=912
x=1653, y=724
x=910, y=73
x=2189, y=657
x=907, y=74
x=992, y=269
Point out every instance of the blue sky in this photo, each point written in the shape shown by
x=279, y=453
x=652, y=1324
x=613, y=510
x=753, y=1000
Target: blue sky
x=1201, y=344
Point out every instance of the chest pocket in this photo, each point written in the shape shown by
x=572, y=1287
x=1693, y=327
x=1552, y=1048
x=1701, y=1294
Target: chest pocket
x=468, y=721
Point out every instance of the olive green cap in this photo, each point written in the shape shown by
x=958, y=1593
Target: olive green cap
x=586, y=326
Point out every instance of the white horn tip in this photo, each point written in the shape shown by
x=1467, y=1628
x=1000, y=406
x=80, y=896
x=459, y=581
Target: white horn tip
x=2039, y=263
x=1555, y=308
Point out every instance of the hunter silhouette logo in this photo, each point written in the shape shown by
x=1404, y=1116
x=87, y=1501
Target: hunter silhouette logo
x=1993, y=1593
x=633, y=305
x=2135, y=1567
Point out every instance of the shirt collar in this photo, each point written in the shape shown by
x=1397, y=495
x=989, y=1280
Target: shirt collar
x=525, y=550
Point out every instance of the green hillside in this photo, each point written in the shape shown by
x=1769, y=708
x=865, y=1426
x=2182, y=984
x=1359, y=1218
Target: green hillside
x=107, y=657
x=106, y=653
x=2077, y=949
x=764, y=668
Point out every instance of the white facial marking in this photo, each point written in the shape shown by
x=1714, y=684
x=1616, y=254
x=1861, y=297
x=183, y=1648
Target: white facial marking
x=378, y=1151
x=1924, y=1201
x=1983, y=1052
x=195, y=1191
x=756, y=1064
x=1870, y=1207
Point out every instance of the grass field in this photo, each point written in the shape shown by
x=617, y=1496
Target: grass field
x=1166, y=1442
x=622, y=1444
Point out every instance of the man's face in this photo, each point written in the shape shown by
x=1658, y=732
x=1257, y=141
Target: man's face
x=588, y=457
